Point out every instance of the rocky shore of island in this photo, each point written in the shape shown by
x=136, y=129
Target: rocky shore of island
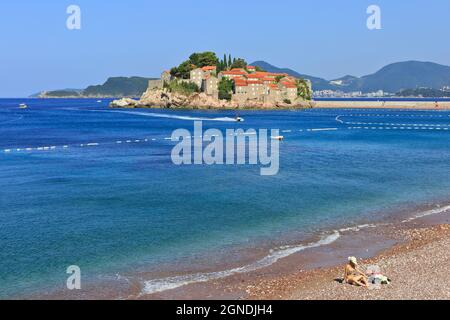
x=162, y=98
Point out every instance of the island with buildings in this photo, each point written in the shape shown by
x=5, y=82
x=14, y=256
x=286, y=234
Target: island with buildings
x=205, y=82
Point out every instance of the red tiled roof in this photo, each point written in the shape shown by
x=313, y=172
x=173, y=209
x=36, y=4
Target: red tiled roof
x=273, y=86
x=251, y=67
x=235, y=73
x=255, y=76
x=288, y=84
x=261, y=73
x=254, y=82
x=209, y=68
x=267, y=79
x=238, y=69
x=240, y=82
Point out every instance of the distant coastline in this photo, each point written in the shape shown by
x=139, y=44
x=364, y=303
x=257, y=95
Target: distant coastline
x=419, y=104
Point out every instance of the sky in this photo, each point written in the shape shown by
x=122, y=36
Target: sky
x=324, y=38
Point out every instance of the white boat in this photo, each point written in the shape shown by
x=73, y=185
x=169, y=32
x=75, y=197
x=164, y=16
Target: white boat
x=99, y=101
x=239, y=119
x=23, y=106
x=279, y=138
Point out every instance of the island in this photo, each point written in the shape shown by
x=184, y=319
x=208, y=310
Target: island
x=206, y=82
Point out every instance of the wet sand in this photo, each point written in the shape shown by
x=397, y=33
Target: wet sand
x=418, y=105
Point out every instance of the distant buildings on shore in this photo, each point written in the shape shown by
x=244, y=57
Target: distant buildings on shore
x=248, y=83
x=413, y=93
x=354, y=94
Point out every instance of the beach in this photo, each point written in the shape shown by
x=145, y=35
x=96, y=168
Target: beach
x=417, y=268
x=381, y=104
x=412, y=253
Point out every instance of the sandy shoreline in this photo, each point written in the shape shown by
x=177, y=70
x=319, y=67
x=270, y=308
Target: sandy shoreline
x=418, y=105
x=397, y=246
x=417, y=266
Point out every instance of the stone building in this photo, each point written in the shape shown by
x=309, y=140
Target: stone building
x=196, y=76
x=210, y=86
x=288, y=89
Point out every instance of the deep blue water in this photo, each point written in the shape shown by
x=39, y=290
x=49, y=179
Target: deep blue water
x=124, y=208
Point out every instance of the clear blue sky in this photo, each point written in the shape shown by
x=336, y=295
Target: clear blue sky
x=326, y=38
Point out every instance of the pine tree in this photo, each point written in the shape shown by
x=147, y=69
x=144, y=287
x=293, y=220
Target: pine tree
x=229, y=61
x=224, y=62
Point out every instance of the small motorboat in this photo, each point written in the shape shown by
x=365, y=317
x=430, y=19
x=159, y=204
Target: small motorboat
x=99, y=101
x=239, y=119
x=279, y=138
x=23, y=106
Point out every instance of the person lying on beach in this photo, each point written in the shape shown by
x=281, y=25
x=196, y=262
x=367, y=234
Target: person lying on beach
x=353, y=275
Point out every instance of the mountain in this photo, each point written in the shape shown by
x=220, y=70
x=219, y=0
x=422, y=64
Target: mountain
x=115, y=87
x=391, y=78
x=407, y=75
x=346, y=81
x=317, y=83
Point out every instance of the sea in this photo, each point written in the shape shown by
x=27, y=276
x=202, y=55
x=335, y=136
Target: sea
x=85, y=185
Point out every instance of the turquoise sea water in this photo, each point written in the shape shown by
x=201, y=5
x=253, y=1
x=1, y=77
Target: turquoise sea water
x=70, y=194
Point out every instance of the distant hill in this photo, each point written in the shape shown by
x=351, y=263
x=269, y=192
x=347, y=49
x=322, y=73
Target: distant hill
x=114, y=87
x=391, y=78
x=407, y=75
x=317, y=83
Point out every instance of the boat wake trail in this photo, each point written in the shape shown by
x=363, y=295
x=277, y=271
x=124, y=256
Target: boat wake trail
x=178, y=117
x=159, y=285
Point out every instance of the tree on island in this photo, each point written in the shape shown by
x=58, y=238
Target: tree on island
x=207, y=58
x=303, y=89
x=239, y=63
x=183, y=70
x=225, y=89
x=204, y=59
x=196, y=60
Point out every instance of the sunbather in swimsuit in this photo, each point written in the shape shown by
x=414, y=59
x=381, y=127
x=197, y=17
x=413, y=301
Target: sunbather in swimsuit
x=353, y=275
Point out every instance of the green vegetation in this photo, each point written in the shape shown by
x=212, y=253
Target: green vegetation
x=118, y=87
x=225, y=89
x=229, y=63
x=424, y=92
x=303, y=89
x=203, y=59
x=196, y=60
x=278, y=78
x=183, y=70
x=239, y=63
x=184, y=88
x=62, y=93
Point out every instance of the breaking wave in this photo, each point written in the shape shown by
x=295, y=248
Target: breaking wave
x=428, y=213
x=159, y=285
